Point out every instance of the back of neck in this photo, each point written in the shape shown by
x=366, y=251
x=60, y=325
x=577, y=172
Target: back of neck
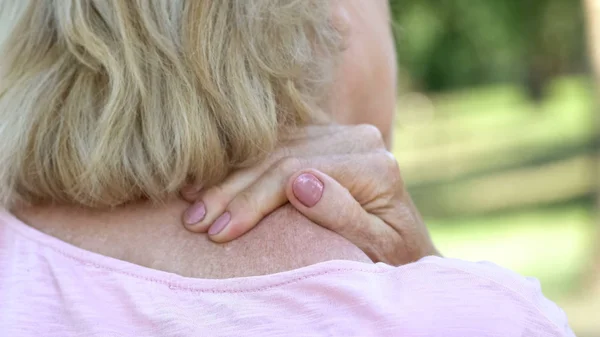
x=152, y=236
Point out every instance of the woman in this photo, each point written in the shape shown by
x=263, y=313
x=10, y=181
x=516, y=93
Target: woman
x=109, y=108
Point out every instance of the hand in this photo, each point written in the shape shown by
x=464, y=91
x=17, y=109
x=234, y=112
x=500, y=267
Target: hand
x=340, y=177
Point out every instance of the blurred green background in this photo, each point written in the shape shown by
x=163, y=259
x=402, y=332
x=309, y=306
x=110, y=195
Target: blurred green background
x=496, y=138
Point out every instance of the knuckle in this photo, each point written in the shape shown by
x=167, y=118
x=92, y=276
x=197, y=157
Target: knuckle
x=244, y=203
x=253, y=208
x=216, y=196
x=388, y=166
x=371, y=135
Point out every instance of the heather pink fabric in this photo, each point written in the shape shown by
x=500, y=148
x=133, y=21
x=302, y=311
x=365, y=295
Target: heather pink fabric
x=50, y=288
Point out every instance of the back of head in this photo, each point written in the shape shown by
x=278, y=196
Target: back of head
x=107, y=102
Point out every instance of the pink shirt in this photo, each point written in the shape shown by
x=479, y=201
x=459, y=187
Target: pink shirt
x=50, y=288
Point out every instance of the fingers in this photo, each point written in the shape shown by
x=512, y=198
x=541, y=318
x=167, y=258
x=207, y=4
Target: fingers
x=303, y=142
x=324, y=201
x=337, y=140
x=211, y=203
x=191, y=192
x=254, y=203
x=268, y=192
x=324, y=140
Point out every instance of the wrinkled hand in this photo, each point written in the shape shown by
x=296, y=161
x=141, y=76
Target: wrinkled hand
x=340, y=177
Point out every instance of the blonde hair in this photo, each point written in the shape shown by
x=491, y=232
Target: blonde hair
x=107, y=102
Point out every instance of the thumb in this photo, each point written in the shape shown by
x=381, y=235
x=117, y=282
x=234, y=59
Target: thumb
x=324, y=201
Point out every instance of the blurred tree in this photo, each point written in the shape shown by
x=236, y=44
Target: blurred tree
x=444, y=44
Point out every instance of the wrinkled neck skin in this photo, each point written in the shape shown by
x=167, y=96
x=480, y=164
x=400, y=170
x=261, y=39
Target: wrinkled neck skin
x=153, y=236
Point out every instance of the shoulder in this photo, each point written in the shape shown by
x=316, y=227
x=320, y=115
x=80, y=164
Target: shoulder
x=483, y=293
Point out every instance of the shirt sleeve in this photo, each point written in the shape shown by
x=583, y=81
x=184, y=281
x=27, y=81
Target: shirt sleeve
x=499, y=290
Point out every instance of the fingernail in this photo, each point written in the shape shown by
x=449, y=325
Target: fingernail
x=219, y=224
x=195, y=213
x=308, y=189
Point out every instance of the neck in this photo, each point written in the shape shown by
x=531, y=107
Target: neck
x=152, y=236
